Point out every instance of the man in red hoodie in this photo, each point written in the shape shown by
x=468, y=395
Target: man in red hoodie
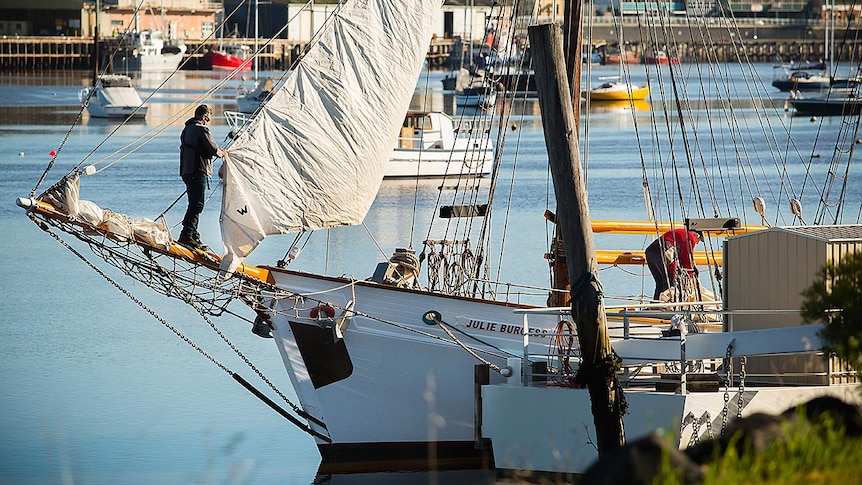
x=666, y=254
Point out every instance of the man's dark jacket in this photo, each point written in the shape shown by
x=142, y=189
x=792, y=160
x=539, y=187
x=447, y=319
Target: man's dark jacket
x=197, y=148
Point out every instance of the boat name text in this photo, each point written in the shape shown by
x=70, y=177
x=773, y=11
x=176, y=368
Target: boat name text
x=503, y=328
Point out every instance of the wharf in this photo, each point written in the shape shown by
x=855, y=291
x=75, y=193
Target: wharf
x=760, y=41
x=38, y=53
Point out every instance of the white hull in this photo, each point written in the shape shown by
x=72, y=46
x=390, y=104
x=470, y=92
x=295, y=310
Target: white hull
x=114, y=97
x=526, y=437
x=148, y=52
x=118, y=112
x=387, y=350
x=476, y=162
x=128, y=62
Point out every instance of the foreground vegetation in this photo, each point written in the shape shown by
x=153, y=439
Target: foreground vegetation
x=811, y=454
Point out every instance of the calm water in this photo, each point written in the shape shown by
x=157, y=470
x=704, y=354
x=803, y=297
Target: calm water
x=96, y=391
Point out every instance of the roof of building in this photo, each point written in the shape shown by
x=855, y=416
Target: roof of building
x=829, y=233
x=46, y=4
x=78, y=4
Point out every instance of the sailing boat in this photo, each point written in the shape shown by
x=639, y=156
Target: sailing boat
x=384, y=366
x=334, y=147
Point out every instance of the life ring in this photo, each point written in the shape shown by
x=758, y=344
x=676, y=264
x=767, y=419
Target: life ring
x=328, y=310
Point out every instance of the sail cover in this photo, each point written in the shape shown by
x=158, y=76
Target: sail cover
x=314, y=155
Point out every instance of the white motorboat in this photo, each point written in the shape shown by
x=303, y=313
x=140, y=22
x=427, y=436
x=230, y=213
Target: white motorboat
x=148, y=50
x=113, y=96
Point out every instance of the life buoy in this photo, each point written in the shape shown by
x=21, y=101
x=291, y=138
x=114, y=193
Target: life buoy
x=326, y=309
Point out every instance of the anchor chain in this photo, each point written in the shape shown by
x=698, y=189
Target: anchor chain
x=42, y=225
x=739, y=402
x=728, y=375
x=696, y=423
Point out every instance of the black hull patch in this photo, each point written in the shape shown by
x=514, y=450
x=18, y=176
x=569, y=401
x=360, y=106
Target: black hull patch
x=326, y=359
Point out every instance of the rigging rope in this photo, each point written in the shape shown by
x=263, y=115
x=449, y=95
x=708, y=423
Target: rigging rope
x=44, y=226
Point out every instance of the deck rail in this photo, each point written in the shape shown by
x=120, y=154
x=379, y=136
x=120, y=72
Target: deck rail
x=665, y=346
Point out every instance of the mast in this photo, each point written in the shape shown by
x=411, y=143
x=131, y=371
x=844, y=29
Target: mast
x=599, y=364
x=254, y=57
x=572, y=49
x=96, y=52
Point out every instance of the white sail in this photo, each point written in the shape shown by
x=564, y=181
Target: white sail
x=315, y=154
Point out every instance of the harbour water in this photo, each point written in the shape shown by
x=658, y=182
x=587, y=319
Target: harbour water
x=96, y=391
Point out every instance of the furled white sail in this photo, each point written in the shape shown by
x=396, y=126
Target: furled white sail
x=315, y=154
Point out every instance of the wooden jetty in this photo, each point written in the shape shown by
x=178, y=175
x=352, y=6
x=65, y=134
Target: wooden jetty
x=45, y=53
x=36, y=53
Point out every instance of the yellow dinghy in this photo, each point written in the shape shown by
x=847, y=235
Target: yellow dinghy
x=617, y=91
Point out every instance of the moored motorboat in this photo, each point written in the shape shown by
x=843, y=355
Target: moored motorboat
x=148, y=50
x=617, y=91
x=830, y=104
x=800, y=77
x=661, y=58
x=228, y=57
x=113, y=96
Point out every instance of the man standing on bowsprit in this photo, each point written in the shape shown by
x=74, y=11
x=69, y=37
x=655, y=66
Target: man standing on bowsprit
x=197, y=149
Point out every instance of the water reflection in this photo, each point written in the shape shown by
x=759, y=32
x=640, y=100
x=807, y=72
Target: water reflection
x=618, y=106
x=460, y=477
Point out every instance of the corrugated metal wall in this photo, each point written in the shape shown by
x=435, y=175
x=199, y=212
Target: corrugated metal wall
x=769, y=270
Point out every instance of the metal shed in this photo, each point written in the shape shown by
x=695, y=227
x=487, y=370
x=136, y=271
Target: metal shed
x=769, y=270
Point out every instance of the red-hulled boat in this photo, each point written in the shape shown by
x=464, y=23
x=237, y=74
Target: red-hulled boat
x=661, y=58
x=229, y=57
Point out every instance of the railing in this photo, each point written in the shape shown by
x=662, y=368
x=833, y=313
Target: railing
x=647, y=350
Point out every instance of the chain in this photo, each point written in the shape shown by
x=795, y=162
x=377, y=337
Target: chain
x=689, y=419
x=695, y=433
x=168, y=325
x=728, y=375
x=130, y=296
x=696, y=423
x=741, y=386
x=707, y=419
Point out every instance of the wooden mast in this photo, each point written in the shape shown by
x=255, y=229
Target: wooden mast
x=572, y=50
x=599, y=364
x=96, y=53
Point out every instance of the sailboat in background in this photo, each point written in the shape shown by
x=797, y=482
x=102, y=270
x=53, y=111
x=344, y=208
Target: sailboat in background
x=384, y=366
x=147, y=50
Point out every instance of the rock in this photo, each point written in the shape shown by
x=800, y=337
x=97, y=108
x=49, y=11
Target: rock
x=640, y=462
x=755, y=433
x=758, y=431
x=842, y=414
